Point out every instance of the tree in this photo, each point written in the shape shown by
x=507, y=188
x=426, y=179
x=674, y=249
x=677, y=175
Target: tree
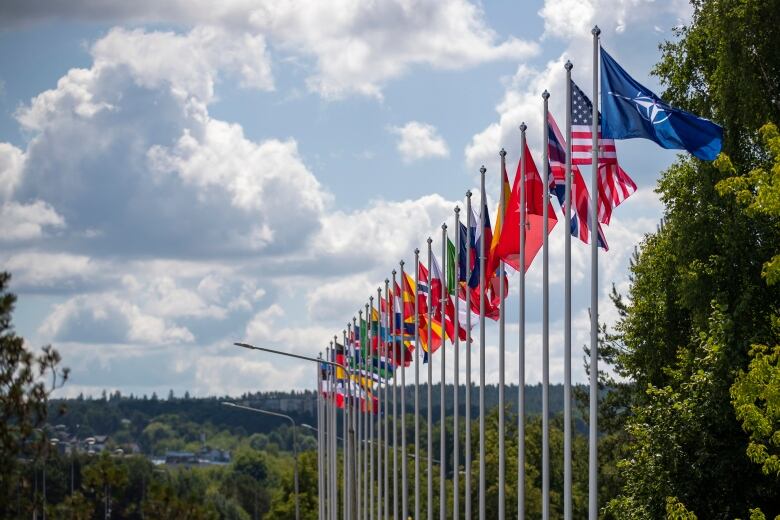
x=26, y=382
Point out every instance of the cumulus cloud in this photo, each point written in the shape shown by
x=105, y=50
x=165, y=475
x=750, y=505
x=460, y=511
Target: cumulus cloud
x=108, y=318
x=27, y=221
x=11, y=162
x=419, y=141
x=357, y=46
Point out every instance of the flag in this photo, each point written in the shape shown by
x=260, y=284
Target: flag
x=508, y=248
x=582, y=132
x=632, y=110
x=580, y=211
x=452, y=268
x=478, y=235
x=437, y=285
x=614, y=187
x=506, y=191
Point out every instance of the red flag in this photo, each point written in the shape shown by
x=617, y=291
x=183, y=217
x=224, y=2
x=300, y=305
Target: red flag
x=508, y=248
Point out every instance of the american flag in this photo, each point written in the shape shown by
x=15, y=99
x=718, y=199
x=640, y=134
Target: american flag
x=580, y=218
x=582, y=132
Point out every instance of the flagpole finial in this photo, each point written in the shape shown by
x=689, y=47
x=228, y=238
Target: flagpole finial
x=468, y=193
x=596, y=31
x=394, y=272
x=545, y=95
x=371, y=299
x=444, y=227
x=430, y=240
x=344, y=331
x=523, y=127
x=457, y=209
x=401, y=263
x=360, y=313
x=416, y=250
x=482, y=170
x=387, y=281
x=502, y=153
x=568, y=65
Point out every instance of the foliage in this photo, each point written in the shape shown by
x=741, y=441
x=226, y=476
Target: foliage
x=26, y=382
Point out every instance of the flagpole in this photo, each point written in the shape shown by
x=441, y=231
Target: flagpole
x=345, y=445
x=482, y=439
x=371, y=443
x=391, y=307
x=501, y=356
x=567, y=511
x=404, y=483
x=521, y=339
x=385, y=455
x=456, y=381
x=442, y=385
x=366, y=485
x=356, y=417
x=430, y=387
x=416, y=385
x=326, y=439
x=467, y=483
x=332, y=437
x=593, y=507
x=320, y=446
x=545, y=320
x=380, y=406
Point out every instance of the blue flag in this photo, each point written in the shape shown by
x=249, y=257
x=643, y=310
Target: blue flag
x=630, y=110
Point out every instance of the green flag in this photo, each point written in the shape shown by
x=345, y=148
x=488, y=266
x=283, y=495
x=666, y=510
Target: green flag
x=451, y=273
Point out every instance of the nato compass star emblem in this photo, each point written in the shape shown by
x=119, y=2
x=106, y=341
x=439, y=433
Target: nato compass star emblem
x=649, y=108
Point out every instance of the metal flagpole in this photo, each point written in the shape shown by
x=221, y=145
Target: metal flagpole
x=482, y=439
x=467, y=412
x=379, y=407
x=335, y=438
x=593, y=507
x=371, y=443
x=567, y=511
x=385, y=455
x=348, y=478
x=326, y=439
x=501, y=358
x=404, y=483
x=442, y=385
x=416, y=386
x=363, y=424
x=521, y=340
x=345, y=445
x=396, y=351
x=320, y=447
x=545, y=323
x=332, y=438
x=430, y=387
x=456, y=379
x=356, y=418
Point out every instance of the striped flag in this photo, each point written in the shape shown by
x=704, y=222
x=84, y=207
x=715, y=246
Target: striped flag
x=582, y=132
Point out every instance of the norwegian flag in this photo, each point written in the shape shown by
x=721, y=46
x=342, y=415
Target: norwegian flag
x=580, y=221
x=582, y=132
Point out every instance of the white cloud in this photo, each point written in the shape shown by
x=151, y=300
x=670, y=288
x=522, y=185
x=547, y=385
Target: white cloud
x=419, y=141
x=107, y=318
x=357, y=46
x=11, y=162
x=27, y=221
x=52, y=270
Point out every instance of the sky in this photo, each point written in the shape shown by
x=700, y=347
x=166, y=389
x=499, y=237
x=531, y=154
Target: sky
x=178, y=176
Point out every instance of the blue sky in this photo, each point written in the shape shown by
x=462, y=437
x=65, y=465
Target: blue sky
x=175, y=177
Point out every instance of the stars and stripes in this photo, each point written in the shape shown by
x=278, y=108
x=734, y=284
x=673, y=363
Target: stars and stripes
x=582, y=132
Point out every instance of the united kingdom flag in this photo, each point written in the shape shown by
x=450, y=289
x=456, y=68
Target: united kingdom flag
x=579, y=192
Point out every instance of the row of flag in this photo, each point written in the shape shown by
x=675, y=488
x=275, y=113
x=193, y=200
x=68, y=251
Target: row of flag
x=631, y=110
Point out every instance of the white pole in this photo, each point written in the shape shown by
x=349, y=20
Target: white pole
x=482, y=438
x=404, y=483
x=320, y=447
x=396, y=351
x=416, y=385
x=593, y=462
x=456, y=381
x=501, y=357
x=467, y=483
x=442, y=384
x=545, y=323
x=430, y=386
x=380, y=419
x=567, y=479
x=521, y=340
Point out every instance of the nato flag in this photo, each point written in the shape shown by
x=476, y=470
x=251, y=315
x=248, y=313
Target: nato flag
x=630, y=110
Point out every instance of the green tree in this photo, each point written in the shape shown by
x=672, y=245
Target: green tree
x=26, y=382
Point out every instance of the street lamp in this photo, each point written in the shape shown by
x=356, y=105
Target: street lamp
x=295, y=444
x=348, y=481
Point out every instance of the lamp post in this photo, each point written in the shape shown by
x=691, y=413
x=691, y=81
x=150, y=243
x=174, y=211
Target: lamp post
x=347, y=480
x=295, y=444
